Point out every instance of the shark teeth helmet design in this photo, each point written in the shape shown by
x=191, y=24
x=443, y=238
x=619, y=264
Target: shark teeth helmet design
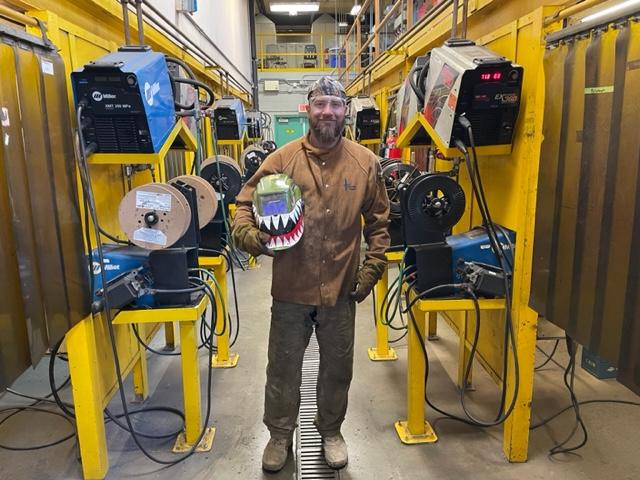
x=278, y=210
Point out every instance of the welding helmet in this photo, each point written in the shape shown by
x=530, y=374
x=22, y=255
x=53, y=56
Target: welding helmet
x=277, y=207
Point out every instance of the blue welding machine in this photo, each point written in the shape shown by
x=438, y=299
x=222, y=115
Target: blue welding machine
x=120, y=260
x=128, y=104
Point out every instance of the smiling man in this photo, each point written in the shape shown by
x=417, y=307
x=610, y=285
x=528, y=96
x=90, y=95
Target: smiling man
x=316, y=283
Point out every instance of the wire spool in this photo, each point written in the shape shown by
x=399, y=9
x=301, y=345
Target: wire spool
x=251, y=158
x=207, y=200
x=386, y=161
x=154, y=216
x=396, y=173
x=435, y=202
x=269, y=146
x=228, y=182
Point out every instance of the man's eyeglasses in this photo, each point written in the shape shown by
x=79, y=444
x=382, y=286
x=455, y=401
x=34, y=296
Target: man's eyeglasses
x=321, y=103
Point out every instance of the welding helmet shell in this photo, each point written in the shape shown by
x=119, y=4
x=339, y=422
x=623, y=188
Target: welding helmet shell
x=278, y=210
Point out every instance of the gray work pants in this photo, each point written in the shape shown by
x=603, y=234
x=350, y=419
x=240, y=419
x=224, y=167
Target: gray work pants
x=291, y=328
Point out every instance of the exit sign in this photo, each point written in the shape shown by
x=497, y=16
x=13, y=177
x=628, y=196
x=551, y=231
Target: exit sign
x=302, y=107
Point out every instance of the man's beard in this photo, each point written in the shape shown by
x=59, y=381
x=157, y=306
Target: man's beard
x=326, y=131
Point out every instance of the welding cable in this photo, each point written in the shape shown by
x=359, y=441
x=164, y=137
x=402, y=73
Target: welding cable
x=210, y=291
x=67, y=407
x=470, y=420
x=235, y=301
x=417, y=89
x=496, y=246
x=31, y=408
x=505, y=264
x=569, y=378
x=241, y=259
x=52, y=380
x=198, y=84
x=582, y=403
x=223, y=253
x=88, y=191
x=549, y=355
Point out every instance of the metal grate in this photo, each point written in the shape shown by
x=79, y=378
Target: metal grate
x=310, y=459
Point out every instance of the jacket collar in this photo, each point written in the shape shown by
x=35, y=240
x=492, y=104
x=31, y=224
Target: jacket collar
x=322, y=153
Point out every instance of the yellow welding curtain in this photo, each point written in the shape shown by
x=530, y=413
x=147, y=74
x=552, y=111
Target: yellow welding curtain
x=44, y=278
x=587, y=238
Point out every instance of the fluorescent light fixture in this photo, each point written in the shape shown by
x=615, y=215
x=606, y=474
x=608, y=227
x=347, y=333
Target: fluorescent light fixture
x=610, y=10
x=343, y=24
x=355, y=10
x=294, y=8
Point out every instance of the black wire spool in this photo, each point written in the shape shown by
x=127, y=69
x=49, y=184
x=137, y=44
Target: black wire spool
x=435, y=202
x=224, y=174
x=269, y=146
x=394, y=173
x=252, y=158
x=387, y=161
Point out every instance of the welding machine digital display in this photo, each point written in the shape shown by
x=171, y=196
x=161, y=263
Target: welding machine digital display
x=128, y=101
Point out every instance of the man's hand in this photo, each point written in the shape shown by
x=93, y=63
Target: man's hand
x=366, y=278
x=251, y=240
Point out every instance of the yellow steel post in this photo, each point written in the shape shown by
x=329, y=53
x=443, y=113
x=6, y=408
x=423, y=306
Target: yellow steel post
x=433, y=326
x=464, y=352
x=169, y=336
x=515, y=438
x=190, y=381
x=87, y=398
x=224, y=358
x=415, y=429
x=208, y=138
x=140, y=372
x=382, y=351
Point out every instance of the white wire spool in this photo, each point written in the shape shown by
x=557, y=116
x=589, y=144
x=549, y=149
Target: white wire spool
x=154, y=216
x=207, y=200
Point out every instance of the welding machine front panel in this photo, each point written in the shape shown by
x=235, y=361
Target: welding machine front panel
x=473, y=81
x=128, y=100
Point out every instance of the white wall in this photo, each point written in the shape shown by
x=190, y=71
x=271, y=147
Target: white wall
x=226, y=23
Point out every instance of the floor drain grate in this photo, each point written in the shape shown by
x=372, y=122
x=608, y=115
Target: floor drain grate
x=310, y=459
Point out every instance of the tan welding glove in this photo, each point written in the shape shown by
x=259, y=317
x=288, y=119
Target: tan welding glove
x=250, y=239
x=366, y=278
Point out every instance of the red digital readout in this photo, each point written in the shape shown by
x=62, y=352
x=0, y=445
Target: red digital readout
x=491, y=76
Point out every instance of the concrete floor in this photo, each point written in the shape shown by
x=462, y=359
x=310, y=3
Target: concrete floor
x=377, y=399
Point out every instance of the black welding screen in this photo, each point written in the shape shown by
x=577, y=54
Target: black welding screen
x=587, y=239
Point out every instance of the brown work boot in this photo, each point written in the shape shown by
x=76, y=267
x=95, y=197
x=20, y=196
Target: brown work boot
x=275, y=454
x=335, y=451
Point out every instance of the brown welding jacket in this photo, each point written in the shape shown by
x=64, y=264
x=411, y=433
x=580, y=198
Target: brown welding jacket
x=338, y=185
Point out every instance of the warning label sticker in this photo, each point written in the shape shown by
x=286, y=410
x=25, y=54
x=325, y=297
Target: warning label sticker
x=153, y=201
x=150, y=235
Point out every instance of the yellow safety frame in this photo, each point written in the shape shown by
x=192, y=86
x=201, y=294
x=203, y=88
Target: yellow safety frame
x=509, y=180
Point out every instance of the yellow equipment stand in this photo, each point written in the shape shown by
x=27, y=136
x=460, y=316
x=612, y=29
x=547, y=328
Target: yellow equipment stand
x=415, y=429
x=93, y=387
x=224, y=358
x=382, y=351
x=93, y=377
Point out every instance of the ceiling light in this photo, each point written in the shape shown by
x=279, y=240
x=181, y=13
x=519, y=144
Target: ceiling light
x=355, y=10
x=294, y=8
x=610, y=10
x=343, y=24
